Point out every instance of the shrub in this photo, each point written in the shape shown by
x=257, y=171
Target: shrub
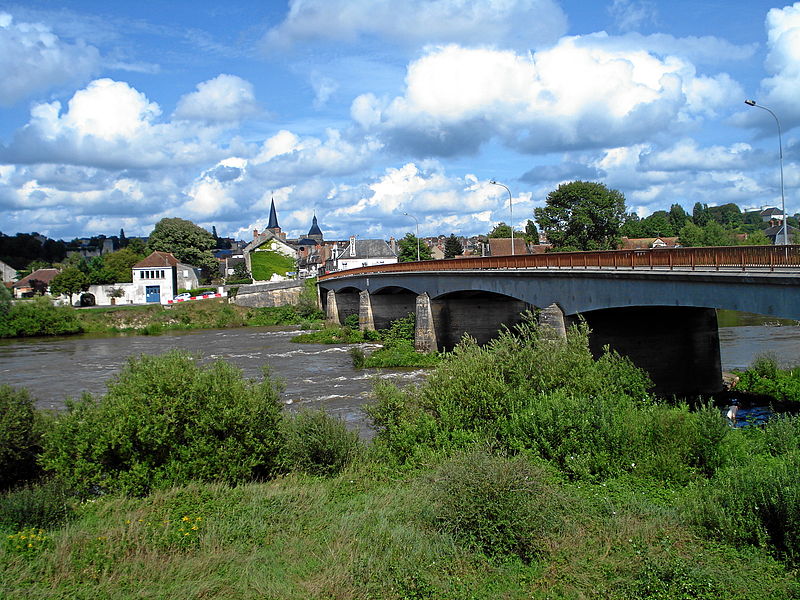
x=46, y=504
x=167, y=421
x=476, y=390
x=319, y=444
x=765, y=378
x=19, y=437
x=756, y=502
x=501, y=507
x=308, y=304
x=351, y=321
x=40, y=316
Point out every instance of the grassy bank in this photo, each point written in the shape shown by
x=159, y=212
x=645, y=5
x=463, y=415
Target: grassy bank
x=522, y=469
x=764, y=378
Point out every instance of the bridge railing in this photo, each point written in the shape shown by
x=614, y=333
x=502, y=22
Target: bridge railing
x=724, y=257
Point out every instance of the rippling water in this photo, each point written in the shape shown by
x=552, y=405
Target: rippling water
x=54, y=369
x=314, y=375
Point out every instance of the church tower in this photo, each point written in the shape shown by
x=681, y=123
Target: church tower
x=315, y=233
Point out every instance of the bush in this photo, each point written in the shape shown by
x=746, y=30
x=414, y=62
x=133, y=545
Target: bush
x=757, y=502
x=319, y=444
x=40, y=316
x=501, y=507
x=166, y=421
x=19, y=437
x=351, y=321
x=46, y=504
x=477, y=390
x=765, y=378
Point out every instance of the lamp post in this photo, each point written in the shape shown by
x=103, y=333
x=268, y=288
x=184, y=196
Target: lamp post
x=510, y=210
x=417, y=222
x=780, y=158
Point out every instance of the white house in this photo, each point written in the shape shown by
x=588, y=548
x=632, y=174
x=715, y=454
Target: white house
x=268, y=241
x=363, y=253
x=158, y=278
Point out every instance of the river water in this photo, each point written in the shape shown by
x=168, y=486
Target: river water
x=315, y=376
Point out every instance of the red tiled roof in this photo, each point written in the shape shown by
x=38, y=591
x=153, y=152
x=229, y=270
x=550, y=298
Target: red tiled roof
x=43, y=275
x=502, y=246
x=157, y=259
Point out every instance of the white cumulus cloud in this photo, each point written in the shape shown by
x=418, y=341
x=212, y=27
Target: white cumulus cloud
x=33, y=60
x=577, y=94
x=224, y=98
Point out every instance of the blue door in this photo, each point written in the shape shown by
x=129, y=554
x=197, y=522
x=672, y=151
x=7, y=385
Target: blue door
x=153, y=293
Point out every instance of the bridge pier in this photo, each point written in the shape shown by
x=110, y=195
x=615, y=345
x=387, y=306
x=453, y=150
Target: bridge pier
x=677, y=346
x=552, y=317
x=331, y=310
x=425, y=329
x=366, y=322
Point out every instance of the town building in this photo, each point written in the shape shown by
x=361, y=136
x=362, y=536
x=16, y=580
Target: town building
x=37, y=282
x=361, y=253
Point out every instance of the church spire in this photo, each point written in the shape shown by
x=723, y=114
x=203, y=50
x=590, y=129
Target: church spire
x=273, y=217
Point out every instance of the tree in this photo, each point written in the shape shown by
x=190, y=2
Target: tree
x=70, y=281
x=632, y=226
x=715, y=235
x=728, y=215
x=123, y=241
x=452, y=247
x=582, y=214
x=700, y=214
x=408, y=249
x=501, y=230
x=757, y=238
x=690, y=235
x=188, y=242
x=657, y=225
x=531, y=233
x=137, y=245
x=677, y=217
x=120, y=263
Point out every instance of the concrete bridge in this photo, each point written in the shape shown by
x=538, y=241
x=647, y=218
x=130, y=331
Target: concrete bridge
x=655, y=306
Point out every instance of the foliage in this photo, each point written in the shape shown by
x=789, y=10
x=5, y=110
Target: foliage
x=19, y=437
x=120, y=263
x=481, y=392
x=335, y=334
x=39, y=316
x=452, y=247
x=756, y=503
x=70, y=281
x=501, y=507
x=531, y=233
x=188, y=242
x=240, y=274
x=266, y=263
x=757, y=238
x=308, y=303
x=765, y=378
x=408, y=247
x=700, y=214
x=165, y=421
x=22, y=249
x=398, y=355
x=711, y=234
x=582, y=214
x=46, y=503
x=318, y=444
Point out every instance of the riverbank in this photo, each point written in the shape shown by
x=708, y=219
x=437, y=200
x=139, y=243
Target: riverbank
x=490, y=479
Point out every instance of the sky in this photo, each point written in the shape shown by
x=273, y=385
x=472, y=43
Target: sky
x=114, y=115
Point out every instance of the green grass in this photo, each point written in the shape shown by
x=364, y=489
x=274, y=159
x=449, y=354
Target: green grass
x=372, y=533
x=265, y=264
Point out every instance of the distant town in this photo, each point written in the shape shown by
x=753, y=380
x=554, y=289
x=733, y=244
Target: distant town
x=180, y=256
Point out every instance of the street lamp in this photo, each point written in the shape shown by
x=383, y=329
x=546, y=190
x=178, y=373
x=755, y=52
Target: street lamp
x=510, y=210
x=780, y=157
x=417, y=222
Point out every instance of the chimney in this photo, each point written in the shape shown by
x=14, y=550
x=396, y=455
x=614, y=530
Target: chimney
x=393, y=244
x=352, y=245
x=255, y=233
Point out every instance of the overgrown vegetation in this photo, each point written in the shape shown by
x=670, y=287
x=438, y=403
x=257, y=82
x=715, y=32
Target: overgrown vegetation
x=397, y=343
x=38, y=317
x=523, y=469
x=765, y=378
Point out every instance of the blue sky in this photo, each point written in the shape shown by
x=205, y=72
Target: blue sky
x=117, y=114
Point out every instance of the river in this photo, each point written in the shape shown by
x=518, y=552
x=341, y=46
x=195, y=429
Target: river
x=54, y=369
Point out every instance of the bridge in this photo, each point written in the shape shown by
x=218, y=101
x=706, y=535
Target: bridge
x=656, y=306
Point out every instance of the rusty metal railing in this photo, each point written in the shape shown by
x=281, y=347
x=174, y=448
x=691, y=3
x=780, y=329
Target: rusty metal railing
x=742, y=258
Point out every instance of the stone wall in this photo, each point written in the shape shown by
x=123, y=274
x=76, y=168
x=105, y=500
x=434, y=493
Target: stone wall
x=261, y=295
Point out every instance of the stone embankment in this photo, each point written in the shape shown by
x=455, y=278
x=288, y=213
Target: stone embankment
x=260, y=295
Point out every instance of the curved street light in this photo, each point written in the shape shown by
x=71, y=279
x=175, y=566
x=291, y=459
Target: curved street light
x=417, y=222
x=780, y=158
x=510, y=210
